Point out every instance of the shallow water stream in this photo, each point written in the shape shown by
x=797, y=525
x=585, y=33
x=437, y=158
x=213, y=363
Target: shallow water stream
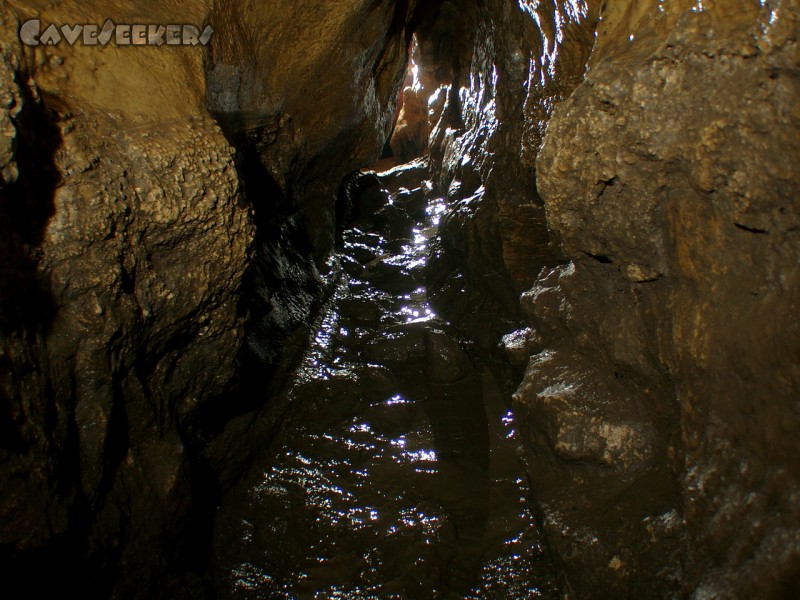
x=395, y=473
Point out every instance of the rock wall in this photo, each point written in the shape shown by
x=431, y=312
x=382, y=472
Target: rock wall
x=111, y=194
x=166, y=220
x=661, y=398
x=499, y=67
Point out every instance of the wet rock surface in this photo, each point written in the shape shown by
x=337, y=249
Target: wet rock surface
x=396, y=471
x=166, y=219
x=495, y=86
x=675, y=205
x=666, y=251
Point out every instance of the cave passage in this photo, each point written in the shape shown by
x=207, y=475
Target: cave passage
x=411, y=129
x=396, y=473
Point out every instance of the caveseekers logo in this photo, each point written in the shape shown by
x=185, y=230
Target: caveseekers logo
x=33, y=33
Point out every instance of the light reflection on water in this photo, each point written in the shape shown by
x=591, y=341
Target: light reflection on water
x=373, y=500
x=383, y=494
x=508, y=422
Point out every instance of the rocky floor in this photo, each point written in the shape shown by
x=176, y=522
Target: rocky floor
x=396, y=473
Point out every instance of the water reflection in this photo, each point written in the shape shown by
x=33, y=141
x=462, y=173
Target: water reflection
x=383, y=484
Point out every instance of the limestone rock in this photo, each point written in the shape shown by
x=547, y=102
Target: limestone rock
x=167, y=219
x=519, y=346
x=684, y=280
x=445, y=361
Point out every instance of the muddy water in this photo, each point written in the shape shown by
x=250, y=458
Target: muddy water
x=395, y=474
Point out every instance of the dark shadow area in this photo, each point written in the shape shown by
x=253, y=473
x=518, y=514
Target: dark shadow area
x=26, y=206
x=278, y=287
x=26, y=304
x=61, y=559
x=27, y=309
x=279, y=291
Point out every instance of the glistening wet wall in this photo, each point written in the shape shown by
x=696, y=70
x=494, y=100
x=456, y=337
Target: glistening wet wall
x=659, y=401
x=494, y=71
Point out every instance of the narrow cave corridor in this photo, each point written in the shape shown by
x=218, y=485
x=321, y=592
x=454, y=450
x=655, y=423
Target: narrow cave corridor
x=411, y=129
x=395, y=473
x=400, y=299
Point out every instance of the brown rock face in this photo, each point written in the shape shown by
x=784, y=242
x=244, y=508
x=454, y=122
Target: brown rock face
x=659, y=397
x=670, y=349
x=499, y=66
x=164, y=211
